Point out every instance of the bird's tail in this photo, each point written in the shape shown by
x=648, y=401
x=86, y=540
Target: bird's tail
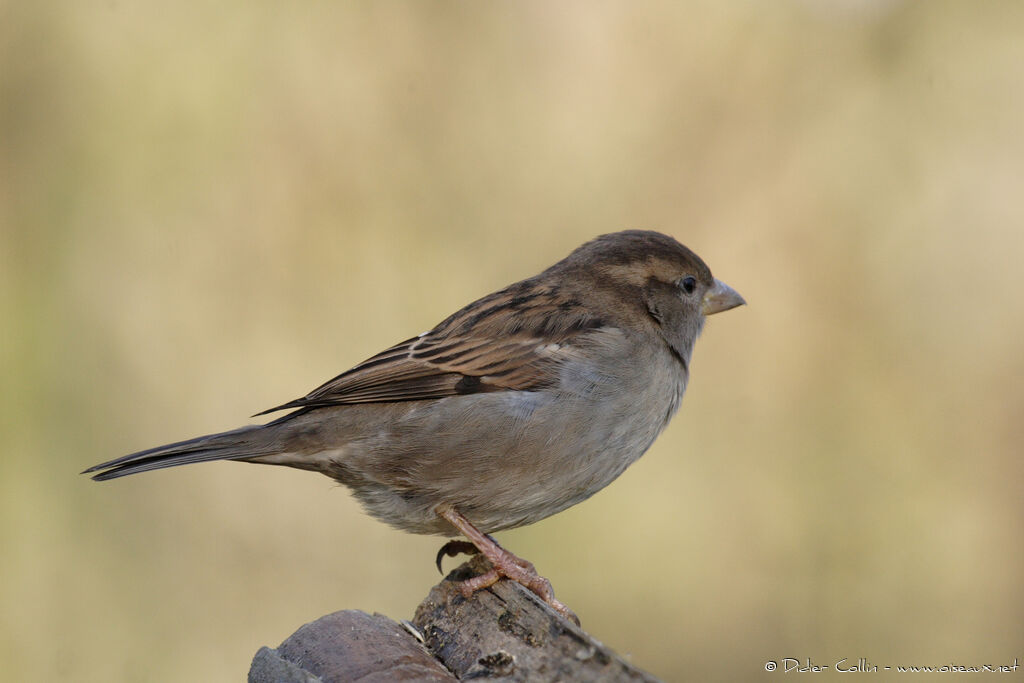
x=238, y=444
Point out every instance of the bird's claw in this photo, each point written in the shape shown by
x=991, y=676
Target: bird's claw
x=453, y=548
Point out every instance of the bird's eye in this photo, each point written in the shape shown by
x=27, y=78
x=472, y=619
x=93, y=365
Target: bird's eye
x=688, y=284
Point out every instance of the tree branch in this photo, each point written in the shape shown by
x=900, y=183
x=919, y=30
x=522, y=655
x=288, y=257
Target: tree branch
x=504, y=631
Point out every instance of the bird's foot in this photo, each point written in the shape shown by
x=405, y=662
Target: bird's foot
x=503, y=564
x=453, y=548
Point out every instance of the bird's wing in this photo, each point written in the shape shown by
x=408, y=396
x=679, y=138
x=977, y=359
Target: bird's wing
x=512, y=340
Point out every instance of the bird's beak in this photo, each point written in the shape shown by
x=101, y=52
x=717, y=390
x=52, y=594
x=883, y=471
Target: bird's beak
x=721, y=297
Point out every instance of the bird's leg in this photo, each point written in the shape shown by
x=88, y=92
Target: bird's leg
x=503, y=563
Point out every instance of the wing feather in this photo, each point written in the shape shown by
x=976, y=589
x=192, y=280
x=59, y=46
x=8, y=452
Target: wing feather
x=513, y=340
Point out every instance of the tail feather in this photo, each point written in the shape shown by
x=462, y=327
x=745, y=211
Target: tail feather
x=237, y=444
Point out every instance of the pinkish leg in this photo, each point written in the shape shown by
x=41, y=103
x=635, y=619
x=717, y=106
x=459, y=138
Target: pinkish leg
x=504, y=564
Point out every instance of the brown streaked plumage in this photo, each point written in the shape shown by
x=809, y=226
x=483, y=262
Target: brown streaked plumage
x=515, y=407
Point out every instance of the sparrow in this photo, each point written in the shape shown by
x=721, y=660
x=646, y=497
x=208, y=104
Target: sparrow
x=516, y=407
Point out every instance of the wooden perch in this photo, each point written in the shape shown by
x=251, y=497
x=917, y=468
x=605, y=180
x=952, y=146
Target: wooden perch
x=502, y=632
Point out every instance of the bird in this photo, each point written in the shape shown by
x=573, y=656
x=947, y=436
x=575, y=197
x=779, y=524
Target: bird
x=521, y=404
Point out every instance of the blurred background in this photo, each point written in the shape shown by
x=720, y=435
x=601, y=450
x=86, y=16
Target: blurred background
x=209, y=209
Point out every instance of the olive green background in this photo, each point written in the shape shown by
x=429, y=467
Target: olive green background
x=209, y=208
